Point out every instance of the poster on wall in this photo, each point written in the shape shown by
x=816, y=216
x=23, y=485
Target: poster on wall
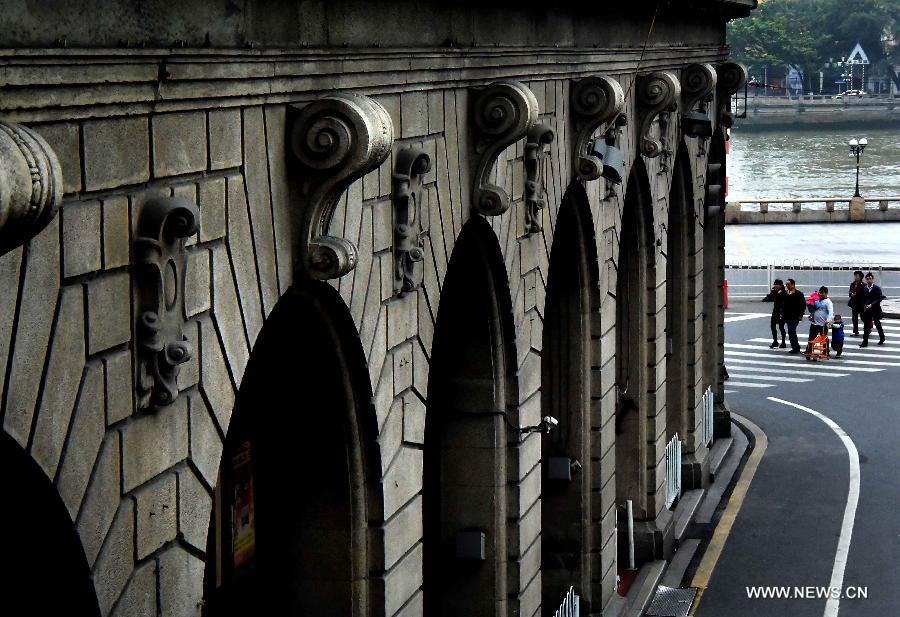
x=243, y=518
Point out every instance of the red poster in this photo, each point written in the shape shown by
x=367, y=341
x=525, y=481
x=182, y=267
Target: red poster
x=243, y=518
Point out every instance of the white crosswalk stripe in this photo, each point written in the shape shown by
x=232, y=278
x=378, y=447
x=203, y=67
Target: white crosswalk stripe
x=771, y=352
x=781, y=371
x=753, y=364
x=743, y=375
x=747, y=384
x=874, y=351
x=744, y=316
x=794, y=364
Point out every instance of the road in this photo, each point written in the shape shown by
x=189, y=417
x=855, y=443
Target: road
x=800, y=505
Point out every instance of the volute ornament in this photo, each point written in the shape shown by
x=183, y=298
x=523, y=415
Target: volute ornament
x=336, y=140
x=538, y=136
x=31, y=185
x=656, y=92
x=503, y=112
x=731, y=77
x=160, y=256
x=698, y=83
x=595, y=101
x=410, y=165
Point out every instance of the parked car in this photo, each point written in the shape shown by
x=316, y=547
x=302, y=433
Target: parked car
x=849, y=93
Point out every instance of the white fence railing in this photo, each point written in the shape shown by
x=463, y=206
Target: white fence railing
x=569, y=606
x=705, y=411
x=673, y=470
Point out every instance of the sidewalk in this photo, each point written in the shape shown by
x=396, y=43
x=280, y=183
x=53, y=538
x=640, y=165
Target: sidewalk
x=863, y=244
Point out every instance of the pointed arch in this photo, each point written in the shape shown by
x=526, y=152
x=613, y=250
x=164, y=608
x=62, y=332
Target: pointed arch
x=298, y=498
x=680, y=301
x=471, y=391
x=568, y=551
x=635, y=347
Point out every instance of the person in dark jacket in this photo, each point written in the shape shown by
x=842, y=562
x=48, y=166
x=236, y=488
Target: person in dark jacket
x=776, y=295
x=872, y=313
x=855, y=302
x=794, y=310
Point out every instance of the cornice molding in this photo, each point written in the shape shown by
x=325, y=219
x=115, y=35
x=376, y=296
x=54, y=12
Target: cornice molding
x=49, y=85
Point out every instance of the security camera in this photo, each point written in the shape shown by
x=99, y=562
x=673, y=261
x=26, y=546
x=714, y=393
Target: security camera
x=551, y=421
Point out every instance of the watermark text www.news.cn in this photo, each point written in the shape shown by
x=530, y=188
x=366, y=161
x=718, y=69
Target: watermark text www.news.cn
x=806, y=592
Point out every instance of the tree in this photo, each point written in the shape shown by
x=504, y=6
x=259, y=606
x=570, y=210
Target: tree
x=811, y=34
x=775, y=35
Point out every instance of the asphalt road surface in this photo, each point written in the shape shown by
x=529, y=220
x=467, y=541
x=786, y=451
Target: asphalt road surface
x=813, y=518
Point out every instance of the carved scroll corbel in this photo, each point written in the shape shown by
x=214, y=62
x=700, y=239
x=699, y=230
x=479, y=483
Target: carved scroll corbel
x=31, y=185
x=698, y=82
x=336, y=140
x=503, y=112
x=657, y=92
x=406, y=193
x=159, y=280
x=731, y=77
x=538, y=136
x=595, y=101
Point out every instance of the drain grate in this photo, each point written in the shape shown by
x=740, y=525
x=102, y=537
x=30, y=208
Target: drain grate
x=672, y=602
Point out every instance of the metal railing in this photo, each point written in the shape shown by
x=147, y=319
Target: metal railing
x=705, y=411
x=673, y=470
x=752, y=279
x=570, y=605
x=826, y=204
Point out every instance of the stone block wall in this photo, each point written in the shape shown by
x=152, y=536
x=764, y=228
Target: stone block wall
x=138, y=486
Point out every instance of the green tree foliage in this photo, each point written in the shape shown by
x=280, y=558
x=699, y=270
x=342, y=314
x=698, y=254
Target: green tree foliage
x=810, y=34
x=776, y=34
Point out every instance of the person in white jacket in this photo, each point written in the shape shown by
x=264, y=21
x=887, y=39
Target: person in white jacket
x=821, y=317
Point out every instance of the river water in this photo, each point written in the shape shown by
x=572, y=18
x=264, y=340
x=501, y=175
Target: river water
x=812, y=164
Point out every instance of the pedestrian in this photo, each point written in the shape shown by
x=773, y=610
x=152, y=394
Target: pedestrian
x=855, y=301
x=776, y=295
x=794, y=309
x=821, y=317
x=872, y=313
x=837, y=335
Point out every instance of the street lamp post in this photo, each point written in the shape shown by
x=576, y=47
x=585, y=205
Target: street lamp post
x=856, y=149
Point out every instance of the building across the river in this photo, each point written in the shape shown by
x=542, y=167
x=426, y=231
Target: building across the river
x=345, y=308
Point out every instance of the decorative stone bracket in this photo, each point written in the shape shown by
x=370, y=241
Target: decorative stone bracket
x=31, y=185
x=657, y=92
x=159, y=281
x=731, y=77
x=538, y=136
x=595, y=101
x=698, y=82
x=504, y=111
x=336, y=140
x=410, y=165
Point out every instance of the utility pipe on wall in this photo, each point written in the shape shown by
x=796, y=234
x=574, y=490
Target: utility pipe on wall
x=630, y=535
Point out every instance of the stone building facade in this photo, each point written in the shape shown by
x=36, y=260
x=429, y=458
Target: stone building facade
x=289, y=290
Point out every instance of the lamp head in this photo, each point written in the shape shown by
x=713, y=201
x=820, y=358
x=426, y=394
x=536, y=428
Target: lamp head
x=853, y=143
x=863, y=142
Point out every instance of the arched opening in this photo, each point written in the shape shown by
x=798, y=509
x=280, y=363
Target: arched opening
x=679, y=305
x=289, y=531
x=634, y=300
x=713, y=260
x=46, y=552
x=466, y=433
x=566, y=515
